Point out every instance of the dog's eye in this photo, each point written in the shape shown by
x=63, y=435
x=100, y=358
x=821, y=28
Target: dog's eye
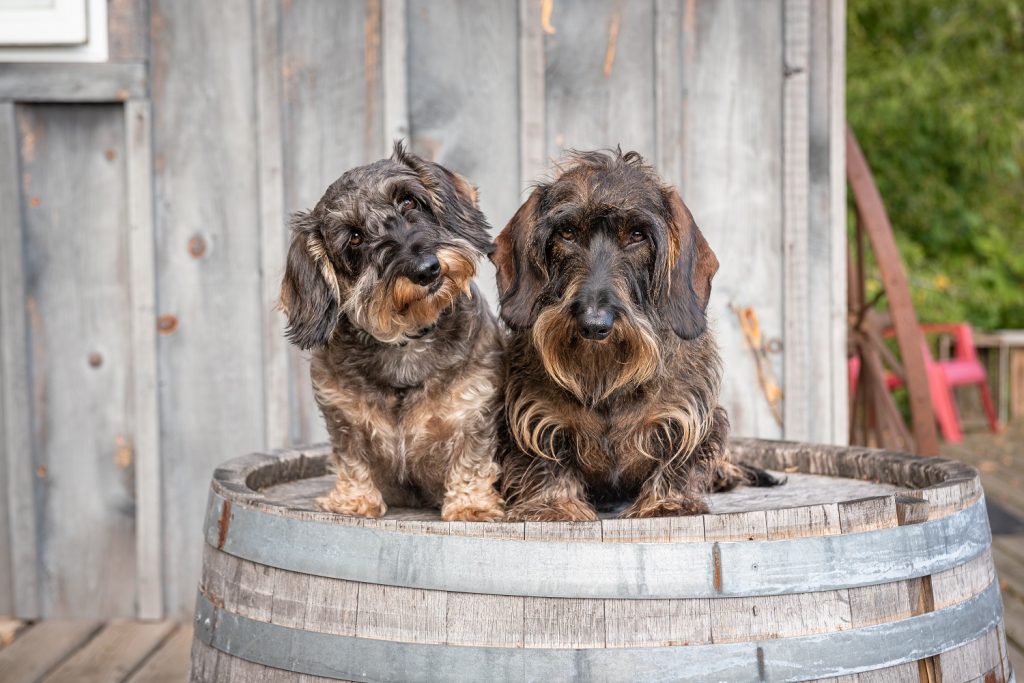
x=636, y=236
x=355, y=239
x=408, y=203
x=567, y=234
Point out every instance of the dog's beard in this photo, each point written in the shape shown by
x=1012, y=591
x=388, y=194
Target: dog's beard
x=397, y=310
x=593, y=371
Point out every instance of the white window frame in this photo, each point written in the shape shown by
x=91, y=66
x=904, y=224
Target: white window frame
x=64, y=31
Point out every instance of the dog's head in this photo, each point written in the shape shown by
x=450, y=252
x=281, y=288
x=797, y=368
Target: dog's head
x=390, y=246
x=598, y=265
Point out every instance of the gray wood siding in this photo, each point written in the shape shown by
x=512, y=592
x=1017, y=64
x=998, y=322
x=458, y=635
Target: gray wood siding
x=80, y=357
x=145, y=206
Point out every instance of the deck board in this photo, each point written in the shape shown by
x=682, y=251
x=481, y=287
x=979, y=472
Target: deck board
x=113, y=654
x=169, y=663
x=41, y=648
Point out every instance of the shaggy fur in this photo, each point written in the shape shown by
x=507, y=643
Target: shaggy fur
x=596, y=416
x=406, y=356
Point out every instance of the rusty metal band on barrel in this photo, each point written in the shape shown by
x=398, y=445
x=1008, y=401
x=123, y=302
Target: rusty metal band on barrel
x=579, y=569
x=821, y=655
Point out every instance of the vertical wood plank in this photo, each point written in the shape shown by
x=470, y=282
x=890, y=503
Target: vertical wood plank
x=731, y=178
x=668, y=66
x=208, y=248
x=273, y=224
x=796, y=266
x=145, y=406
x=394, y=54
x=600, y=76
x=821, y=304
x=837, y=218
x=18, y=581
x=332, y=121
x=128, y=30
x=78, y=276
x=453, y=117
x=532, y=124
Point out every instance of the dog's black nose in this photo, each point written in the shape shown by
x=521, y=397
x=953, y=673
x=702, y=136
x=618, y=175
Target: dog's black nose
x=595, y=323
x=425, y=270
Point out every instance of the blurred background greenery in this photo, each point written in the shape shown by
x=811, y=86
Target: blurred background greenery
x=935, y=95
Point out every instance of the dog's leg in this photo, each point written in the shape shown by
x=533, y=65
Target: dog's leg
x=354, y=492
x=670, y=492
x=680, y=488
x=470, y=494
x=547, y=492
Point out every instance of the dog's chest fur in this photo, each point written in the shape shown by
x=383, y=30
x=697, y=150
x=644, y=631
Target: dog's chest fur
x=408, y=408
x=617, y=444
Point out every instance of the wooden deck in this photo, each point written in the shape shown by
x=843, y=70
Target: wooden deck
x=93, y=652
x=158, y=652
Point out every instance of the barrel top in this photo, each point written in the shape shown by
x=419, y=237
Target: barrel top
x=830, y=490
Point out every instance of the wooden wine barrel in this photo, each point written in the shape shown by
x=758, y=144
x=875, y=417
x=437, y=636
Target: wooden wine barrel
x=866, y=565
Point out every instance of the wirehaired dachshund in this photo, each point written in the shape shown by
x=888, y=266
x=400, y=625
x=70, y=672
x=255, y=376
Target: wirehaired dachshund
x=612, y=375
x=406, y=355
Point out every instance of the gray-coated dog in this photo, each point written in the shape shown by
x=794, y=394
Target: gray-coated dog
x=406, y=356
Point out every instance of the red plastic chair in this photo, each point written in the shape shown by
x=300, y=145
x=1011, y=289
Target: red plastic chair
x=962, y=369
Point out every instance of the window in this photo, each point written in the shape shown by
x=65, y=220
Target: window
x=53, y=30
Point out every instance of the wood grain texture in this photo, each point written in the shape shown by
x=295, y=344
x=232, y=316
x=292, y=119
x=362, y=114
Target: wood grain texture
x=599, y=77
x=454, y=119
x=494, y=620
x=798, y=324
x=731, y=178
x=113, y=653
x=208, y=266
x=332, y=120
x=169, y=664
x=273, y=238
x=146, y=411
x=72, y=82
x=18, y=551
x=779, y=616
x=564, y=622
x=128, y=30
x=394, y=40
x=532, y=113
x=37, y=652
x=669, y=64
x=77, y=257
x=972, y=661
x=837, y=212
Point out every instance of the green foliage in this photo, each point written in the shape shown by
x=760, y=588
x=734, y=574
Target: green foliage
x=935, y=95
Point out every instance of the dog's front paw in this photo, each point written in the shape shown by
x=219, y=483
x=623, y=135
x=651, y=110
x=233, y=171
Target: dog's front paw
x=676, y=507
x=356, y=506
x=552, y=511
x=473, y=513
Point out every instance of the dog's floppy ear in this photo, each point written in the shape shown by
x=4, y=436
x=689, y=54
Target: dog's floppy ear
x=455, y=200
x=692, y=265
x=310, y=293
x=521, y=279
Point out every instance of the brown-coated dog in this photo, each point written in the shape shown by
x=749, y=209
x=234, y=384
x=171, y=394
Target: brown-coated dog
x=612, y=377
x=406, y=355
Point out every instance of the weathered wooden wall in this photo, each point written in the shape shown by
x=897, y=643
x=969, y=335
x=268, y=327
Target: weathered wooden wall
x=143, y=205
